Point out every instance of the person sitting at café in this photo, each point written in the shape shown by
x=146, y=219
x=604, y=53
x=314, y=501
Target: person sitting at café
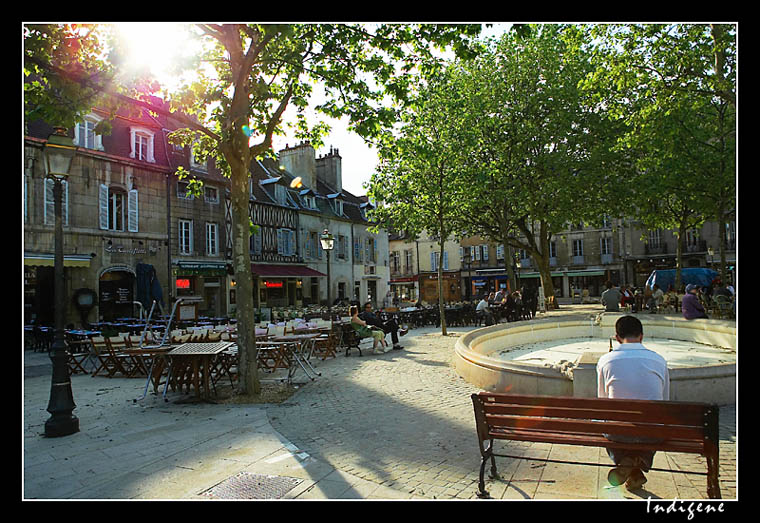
x=387, y=327
x=690, y=305
x=482, y=309
x=611, y=298
x=364, y=330
x=655, y=300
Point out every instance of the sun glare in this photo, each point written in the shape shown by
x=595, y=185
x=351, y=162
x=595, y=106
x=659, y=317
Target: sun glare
x=156, y=45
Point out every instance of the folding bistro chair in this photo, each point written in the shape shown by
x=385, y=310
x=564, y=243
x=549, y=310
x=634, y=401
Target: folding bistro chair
x=77, y=357
x=326, y=345
x=119, y=362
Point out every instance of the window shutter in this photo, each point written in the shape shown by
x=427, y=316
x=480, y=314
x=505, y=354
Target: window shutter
x=485, y=252
x=49, y=207
x=103, y=207
x=132, y=208
x=433, y=258
x=445, y=260
x=49, y=202
x=65, y=202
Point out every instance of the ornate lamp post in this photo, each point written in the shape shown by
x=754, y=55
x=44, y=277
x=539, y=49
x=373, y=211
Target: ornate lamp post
x=59, y=152
x=328, y=242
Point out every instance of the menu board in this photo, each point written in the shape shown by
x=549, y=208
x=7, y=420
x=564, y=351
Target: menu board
x=187, y=312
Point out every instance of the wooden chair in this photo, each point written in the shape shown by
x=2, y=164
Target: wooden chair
x=78, y=354
x=326, y=345
x=101, y=356
x=120, y=363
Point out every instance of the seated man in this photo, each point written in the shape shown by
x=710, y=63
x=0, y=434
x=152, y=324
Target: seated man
x=690, y=305
x=634, y=372
x=483, y=309
x=389, y=326
x=611, y=298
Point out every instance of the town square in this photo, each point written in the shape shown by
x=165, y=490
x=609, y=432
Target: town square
x=380, y=261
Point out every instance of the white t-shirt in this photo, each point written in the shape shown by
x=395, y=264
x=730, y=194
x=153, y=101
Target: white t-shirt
x=632, y=371
x=482, y=305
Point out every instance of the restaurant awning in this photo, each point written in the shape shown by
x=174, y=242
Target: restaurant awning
x=48, y=260
x=284, y=271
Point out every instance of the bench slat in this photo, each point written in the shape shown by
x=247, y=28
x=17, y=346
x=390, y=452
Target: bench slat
x=597, y=427
x=594, y=440
x=688, y=418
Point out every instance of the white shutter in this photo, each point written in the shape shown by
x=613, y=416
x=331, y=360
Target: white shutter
x=132, y=211
x=49, y=202
x=49, y=207
x=103, y=206
x=65, y=202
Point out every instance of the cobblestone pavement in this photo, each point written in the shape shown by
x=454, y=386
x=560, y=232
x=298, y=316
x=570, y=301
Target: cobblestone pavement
x=404, y=420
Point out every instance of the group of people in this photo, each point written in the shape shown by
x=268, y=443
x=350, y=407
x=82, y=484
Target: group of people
x=367, y=324
x=514, y=305
x=692, y=303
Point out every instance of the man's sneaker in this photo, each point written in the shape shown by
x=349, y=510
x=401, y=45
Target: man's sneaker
x=618, y=476
x=635, y=480
x=403, y=331
x=397, y=347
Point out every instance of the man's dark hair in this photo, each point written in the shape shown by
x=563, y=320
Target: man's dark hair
x=608, y=284
x=368, y=304
x=628, y=327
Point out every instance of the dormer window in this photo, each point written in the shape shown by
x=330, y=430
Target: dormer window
x=141, y=141
x=308, y=199
x=84, y=133
x=336, y=203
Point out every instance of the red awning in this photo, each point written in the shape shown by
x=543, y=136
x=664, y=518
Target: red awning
x=270, y=270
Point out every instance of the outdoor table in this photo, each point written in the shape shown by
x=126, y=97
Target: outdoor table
x=300, y=356
x=196, y=357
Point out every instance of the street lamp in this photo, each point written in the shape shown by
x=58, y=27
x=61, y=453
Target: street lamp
x=328, y=242
x=59, y=152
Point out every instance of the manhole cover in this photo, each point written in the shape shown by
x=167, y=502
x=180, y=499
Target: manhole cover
x=246, y=485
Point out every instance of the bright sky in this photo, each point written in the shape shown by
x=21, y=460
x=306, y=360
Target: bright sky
x=157, y=44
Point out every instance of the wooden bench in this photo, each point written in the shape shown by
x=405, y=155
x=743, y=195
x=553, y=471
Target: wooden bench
x=680, y=427
x=350, y=339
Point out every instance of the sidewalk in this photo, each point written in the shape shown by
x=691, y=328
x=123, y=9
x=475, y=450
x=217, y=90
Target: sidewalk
x=396, y=426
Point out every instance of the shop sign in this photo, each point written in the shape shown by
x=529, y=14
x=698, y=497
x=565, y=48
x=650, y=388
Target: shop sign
x=121, y=249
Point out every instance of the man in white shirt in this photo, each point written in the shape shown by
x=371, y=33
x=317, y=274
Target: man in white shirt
x=483, y=309
x=631, y=371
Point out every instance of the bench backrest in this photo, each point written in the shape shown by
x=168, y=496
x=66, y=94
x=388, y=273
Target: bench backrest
x=515, y=414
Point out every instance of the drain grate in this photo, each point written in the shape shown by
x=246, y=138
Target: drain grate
x=246, y=485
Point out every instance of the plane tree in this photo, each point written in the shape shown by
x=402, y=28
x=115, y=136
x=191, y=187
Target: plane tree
x=538, y=148
x=675, y=87
x=259, y=70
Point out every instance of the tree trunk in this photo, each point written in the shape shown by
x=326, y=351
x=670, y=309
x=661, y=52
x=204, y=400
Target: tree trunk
x=441, y=307
x=248, y=380
x=679, y=256
x=544, y=269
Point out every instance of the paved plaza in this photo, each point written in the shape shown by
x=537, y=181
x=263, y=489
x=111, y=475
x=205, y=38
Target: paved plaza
x=386, y=427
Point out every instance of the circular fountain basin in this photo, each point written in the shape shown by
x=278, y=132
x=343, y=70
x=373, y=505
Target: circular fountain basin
x=558, y=357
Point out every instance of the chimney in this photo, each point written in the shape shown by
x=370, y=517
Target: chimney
x=300, y=160
x=329, y=170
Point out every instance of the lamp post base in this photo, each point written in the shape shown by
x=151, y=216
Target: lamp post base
x=63, y=425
